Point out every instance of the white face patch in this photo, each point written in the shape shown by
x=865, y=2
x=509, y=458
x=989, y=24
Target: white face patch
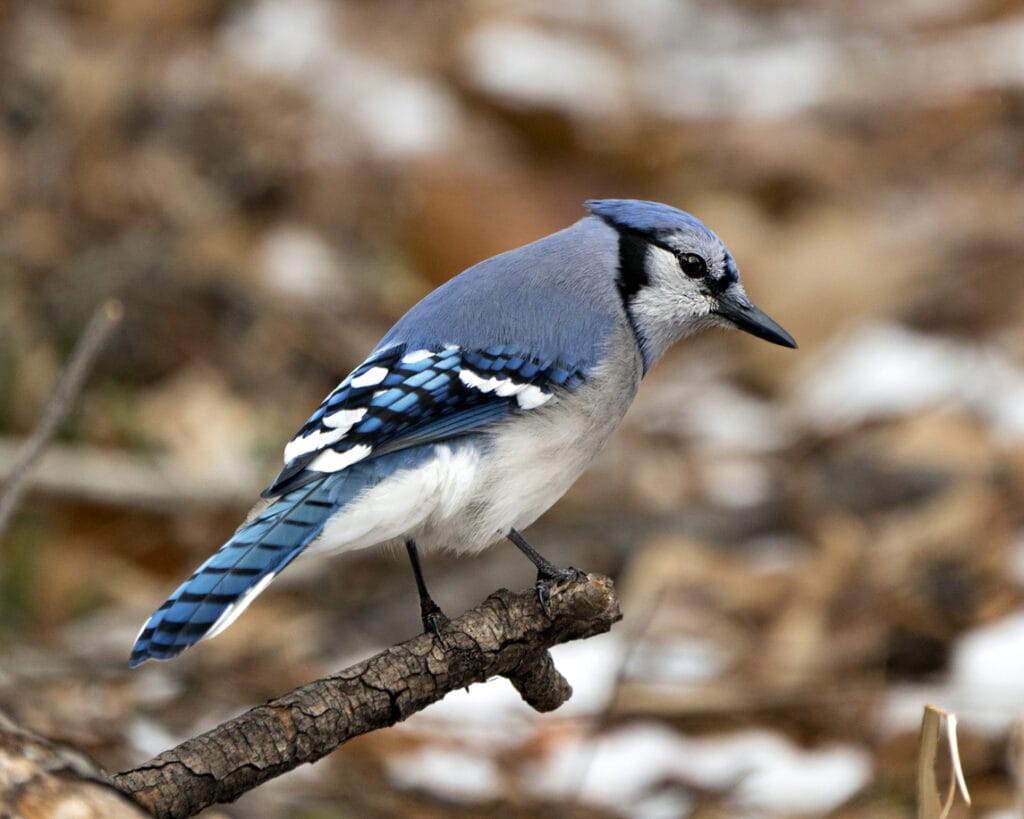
x=311, y=443
x=670, y=307
x=232, y=612
x=528, y=396
x=372, y=376
x=331, y=461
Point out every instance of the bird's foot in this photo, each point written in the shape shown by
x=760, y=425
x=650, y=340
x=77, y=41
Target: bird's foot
x=433, y=618
x=548, y=574
x=549, y=577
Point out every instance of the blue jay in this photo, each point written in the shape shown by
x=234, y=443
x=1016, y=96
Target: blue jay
x=478, y=409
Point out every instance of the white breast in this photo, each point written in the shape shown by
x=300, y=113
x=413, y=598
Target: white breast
x=472, y=492
x=532, y=459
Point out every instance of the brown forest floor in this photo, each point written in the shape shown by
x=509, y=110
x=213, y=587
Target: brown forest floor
x=811, y=545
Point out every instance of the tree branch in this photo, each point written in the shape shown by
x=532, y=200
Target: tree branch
x=103, y=322
x=40, y=777
x=507, y=635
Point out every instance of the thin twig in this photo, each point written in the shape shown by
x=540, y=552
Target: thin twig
x=107, y=316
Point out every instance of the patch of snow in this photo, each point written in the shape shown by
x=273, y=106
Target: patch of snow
x=983, y=687
x=298, y=262
x=935, y=71
x=397, y=114
x=987, y=675
x=289, y=37
x=770, y=80
x=639, y=22
x=592, y=668
x=735, y=64
x=786, y=779
x=450, y=774
x=667, y=804
x=400, y=114
x=885, y=370
x=156, y=687
x=615, y=769
x=735, y=483
x=150, y=738
x=763, y=770
x=723, y=417
x=779, y=65
x=484, y=706
x=681, y=661
x=903, y=706
x=537, y=69
x=698, y=404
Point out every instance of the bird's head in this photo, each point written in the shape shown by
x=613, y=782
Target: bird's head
x=676, y=277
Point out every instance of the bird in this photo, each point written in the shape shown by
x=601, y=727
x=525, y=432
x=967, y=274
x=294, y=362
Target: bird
x=478, y=409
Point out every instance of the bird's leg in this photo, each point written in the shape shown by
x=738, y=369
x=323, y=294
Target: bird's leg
x=547, y=572
x=430, y=613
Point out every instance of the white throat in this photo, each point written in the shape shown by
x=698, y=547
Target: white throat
x=669, y=307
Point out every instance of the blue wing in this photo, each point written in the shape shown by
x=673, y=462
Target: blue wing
x=371, y=426
x=398, y=399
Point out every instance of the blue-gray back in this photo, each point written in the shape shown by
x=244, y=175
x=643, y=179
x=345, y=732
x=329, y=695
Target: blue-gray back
x=555, y=298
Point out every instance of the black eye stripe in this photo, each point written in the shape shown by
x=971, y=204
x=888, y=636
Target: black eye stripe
x=631, y=258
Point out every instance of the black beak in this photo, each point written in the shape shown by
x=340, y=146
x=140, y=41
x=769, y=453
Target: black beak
x=745, y=316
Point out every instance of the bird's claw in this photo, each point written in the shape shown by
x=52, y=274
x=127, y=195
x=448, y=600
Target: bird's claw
x=547, y=580
x=433, y=618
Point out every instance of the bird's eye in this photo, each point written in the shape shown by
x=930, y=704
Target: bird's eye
x=693, y=265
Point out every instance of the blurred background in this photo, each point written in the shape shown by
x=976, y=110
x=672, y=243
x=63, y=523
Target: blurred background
x=810, y=545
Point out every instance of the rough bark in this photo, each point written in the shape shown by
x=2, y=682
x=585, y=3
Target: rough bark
x=508, y=635
x=40, y=778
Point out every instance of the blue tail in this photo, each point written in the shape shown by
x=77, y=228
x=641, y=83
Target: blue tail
x=220, y=589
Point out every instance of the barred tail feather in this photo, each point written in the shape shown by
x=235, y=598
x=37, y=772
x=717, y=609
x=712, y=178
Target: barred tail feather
x=219, y=590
